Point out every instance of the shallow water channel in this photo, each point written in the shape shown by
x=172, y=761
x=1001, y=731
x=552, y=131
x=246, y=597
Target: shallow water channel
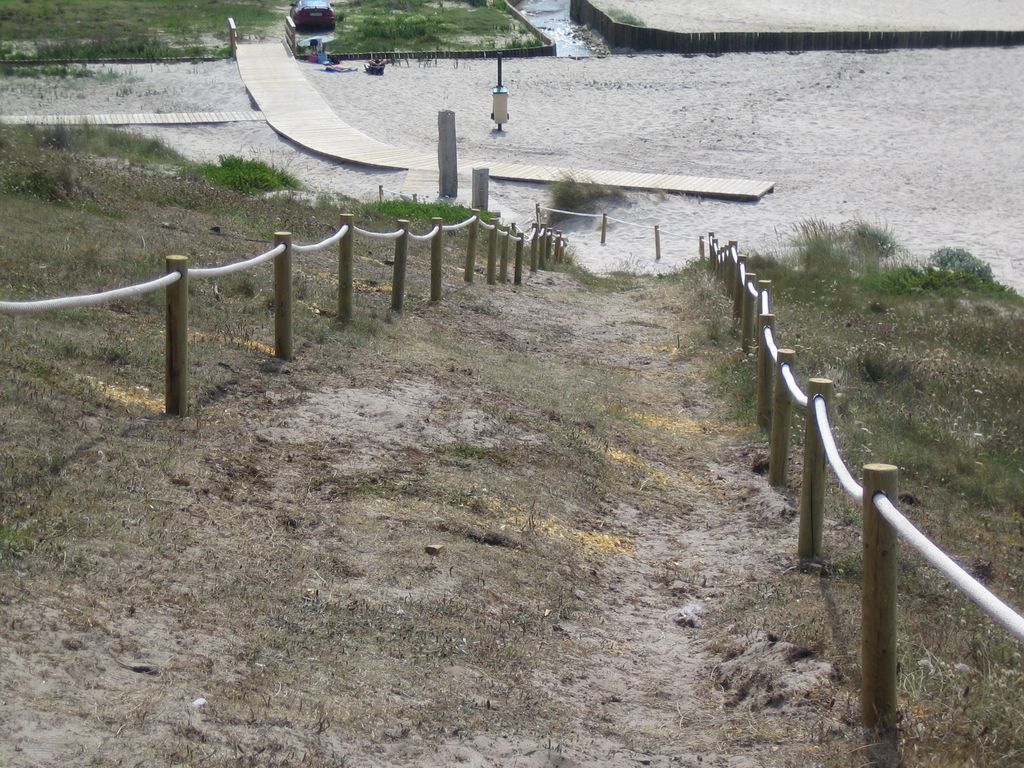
x=552, y=18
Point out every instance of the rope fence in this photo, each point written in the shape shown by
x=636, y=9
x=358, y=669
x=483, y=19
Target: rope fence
x=178, y=273
x=883, y=523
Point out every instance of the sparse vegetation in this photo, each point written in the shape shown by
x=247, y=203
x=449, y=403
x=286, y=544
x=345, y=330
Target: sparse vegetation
x=572, y=193
x=928, y=377
x=625, y=17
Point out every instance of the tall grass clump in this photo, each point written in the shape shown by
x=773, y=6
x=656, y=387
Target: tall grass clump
x=625, y=17
x=249, y=176
x=572, y=193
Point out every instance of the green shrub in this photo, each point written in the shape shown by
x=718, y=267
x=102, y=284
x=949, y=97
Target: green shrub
x=961, y=260
x=248, y=176
x=907, y=280
x=407, y=209
x=625, y=17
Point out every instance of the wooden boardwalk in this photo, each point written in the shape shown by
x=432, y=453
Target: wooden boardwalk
x=141, y=118
x=295, y=109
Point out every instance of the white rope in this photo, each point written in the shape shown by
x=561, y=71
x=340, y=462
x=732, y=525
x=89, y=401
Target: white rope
x=794, y=390
x=88, y=300
x=323, y=243
x=828, y=440
x=379, y=235
x=743, y=273
x=769, y=342
x=956, y=575
x=486, y=226
x=752, y=291
x=460, y=225
x=765, y=309
x=630, y=223
x=227, y=269
x=572, y=213
x=428, y=236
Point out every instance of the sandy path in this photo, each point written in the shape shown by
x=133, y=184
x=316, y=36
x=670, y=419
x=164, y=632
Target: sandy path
x=822, y=15
x=927, y=142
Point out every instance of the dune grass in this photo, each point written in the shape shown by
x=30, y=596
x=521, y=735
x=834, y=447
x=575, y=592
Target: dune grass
x=928, y=375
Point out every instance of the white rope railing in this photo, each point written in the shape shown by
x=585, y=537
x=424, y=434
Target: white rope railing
x=765, y=310
x=794, y=390
x=630, y=223
x=752, y=290
x=323, y=243
x=460, y=225
x=957, y=576
x=238, y=266
x=828, y=442
x=379, y=235
x=486, y=226
x=743, y=273
x=424, y=238
x=87, y=300
x=769, y=342
x=573, y=213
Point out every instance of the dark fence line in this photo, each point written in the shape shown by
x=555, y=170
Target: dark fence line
x=506, y=53
x=618, y=35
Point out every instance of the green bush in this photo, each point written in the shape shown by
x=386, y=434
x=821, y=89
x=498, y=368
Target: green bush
x=961, y=260
x=905, y=281
x=248, y=176
x=570, y=193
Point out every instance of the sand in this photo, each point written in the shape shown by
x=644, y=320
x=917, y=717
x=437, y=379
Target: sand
x=821, y=15
x=929, y=143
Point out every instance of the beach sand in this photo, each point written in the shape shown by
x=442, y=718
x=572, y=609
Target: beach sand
x=929, y=143
x=819, y=15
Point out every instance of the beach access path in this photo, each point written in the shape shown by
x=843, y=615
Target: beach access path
x=295, y=109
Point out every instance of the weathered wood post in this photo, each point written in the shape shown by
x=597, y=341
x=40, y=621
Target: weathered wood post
x=447, y=155
x=559, y=247
x=604, y=227
x=481, y=183
x=517, y=274
x=549, y=249
x=492, y=255
x=380, y=193
x=812, y=488
x=233, y=37
x=700, y=253
x=474, y=228
x=436, y=253
x=545, y=244
x=345, y=267
x=398, y=270
x=878, y=603
x=765, y=371
x=176, y=348
x=283, y=297
x=736, y=287
x=657, y=242
x=506, y=235
x=748, y=312
x=782, y=413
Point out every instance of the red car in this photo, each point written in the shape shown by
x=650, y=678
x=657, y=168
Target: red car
x=313, y=13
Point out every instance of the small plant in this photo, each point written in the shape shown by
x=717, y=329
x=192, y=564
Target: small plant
x=961, y=260
x=248, y=176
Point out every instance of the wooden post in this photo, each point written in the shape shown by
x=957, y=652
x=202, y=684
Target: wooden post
x=812, y=488
x=748, y=313
x=474, y=228
x=657, y=242
x=481, y=182
x=700, y=252
x=878, y=604
x=536, y=213
x=283, y=297
x=534, y=247
x=176, y=357
x=559, y=247
x=549, y=247
x=380, y=193
x=503, y=261
x=492, y=255
x=345, y=268
x=765, y=372
x=764, y=286
x=233, y=37
x=782, y=411
x=398, y=271
x=447, y=155
x=545, y=243
x=517, y=272
x=736, y=287
x=604, y=227
x=435, y=258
